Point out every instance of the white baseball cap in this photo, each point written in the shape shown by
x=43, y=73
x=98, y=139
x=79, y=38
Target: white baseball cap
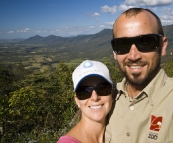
x=90, y=68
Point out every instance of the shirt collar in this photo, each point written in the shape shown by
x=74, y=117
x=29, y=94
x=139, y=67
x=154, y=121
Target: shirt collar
x=151, y=90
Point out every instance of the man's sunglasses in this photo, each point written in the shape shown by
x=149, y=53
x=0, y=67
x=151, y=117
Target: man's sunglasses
x=144, y=43
x=85, y=92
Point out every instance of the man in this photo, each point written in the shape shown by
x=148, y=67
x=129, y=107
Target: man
x=144, y=105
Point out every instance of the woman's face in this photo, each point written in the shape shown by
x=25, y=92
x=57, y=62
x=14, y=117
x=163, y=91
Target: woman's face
x=95, y=107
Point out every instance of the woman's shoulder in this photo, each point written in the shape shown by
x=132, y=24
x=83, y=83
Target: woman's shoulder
x=67, y=139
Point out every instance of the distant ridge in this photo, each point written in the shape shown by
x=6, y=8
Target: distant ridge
x=84, y=41
x=52, y=49
x=53, y=40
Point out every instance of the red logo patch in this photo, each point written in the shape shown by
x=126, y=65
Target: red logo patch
x=156, y=123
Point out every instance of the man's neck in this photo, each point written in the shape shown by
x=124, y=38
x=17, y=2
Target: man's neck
x=133, y=91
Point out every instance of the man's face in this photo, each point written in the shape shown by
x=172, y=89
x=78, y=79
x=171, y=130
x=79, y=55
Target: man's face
x=138, y=67
x=139, y=72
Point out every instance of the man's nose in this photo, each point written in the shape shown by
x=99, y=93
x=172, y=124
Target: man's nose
x=134, y=54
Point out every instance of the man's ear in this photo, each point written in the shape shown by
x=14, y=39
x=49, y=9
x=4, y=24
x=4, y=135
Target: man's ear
x=77, y=101
x=164, y=46
x=115, y=55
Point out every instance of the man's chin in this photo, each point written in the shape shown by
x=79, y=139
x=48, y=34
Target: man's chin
x=136, y=80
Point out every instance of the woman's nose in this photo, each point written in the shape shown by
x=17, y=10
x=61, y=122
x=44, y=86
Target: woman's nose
x=95, y=96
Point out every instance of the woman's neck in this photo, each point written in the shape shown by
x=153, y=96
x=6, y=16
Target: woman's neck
x=88, y=131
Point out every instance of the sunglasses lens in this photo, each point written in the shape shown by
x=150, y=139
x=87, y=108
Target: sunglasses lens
x=85, y=92
x=104, y=89
x=148, y=43
x=121, y=45
x=82, y=95
x=144, y=43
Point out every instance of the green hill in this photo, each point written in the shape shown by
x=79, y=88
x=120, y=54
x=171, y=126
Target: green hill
x=37, y=51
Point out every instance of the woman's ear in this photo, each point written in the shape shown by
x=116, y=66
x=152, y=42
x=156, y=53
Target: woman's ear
x=115, y=55
x=77, y=101
x=164, y=46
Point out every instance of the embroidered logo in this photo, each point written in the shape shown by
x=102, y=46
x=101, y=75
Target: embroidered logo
x=156, y=123
x=87, y=64
x=153, y=136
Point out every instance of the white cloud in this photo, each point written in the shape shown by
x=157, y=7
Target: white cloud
x=102, y=26
x=124, y=7
x=26, y=29
x=10, y=32
x=148, y=2
x=110, y=23
x=108, y=9
x=166, y=19
x=166, y=22
x=91, y=27
x=168, y=11
x=107, y=25
x=96, y=14
x=37, y=31
x=167, y=16
x=56, y=30
x=76, y=30
x=23, y=30
x=160, y=7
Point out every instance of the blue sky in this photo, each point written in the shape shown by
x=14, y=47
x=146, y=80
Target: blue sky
x=27, y=18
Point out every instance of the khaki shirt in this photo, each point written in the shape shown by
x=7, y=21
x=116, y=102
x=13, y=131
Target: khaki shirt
x=148, y=118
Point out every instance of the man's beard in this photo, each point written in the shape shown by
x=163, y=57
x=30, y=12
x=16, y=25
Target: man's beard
x=138, y=79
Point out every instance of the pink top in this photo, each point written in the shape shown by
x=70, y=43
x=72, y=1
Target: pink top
x=67, y=139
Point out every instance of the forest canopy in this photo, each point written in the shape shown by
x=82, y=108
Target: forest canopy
x=39, y=106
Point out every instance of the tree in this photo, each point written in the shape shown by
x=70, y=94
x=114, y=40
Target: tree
x=115, y=73
x=168, y=67
x=42, y=108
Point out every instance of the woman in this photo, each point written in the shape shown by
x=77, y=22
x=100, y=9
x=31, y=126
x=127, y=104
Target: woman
x=93, y=87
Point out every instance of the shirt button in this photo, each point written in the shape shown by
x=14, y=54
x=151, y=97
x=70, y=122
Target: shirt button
x=128, y=134
x=132, y=107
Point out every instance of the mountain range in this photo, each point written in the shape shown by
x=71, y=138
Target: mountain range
x=94, y=46
x=98, y=40
x=36, y=51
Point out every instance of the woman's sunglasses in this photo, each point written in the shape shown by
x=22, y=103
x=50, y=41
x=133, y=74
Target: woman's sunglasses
x=85, y=92
x=144, y=43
